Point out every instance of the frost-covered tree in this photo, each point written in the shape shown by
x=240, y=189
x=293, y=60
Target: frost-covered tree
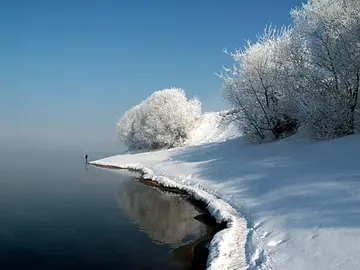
x=163, y=120
x=126, y=127
x=331, y=31
x=308, y=75
x=256, y=85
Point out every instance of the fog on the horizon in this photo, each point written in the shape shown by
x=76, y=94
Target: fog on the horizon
x=94, y=148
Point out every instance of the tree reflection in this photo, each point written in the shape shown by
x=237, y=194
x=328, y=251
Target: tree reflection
x=167, y=218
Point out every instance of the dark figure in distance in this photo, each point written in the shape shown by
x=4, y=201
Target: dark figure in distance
x=86, y=158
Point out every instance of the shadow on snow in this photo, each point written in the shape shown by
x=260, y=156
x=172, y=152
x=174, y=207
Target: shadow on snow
x=314, y=183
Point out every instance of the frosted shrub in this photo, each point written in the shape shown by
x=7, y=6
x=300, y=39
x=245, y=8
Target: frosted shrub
x=329, y=118
x=163, y=120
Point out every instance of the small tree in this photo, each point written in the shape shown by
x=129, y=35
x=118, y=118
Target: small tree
x=163, y=120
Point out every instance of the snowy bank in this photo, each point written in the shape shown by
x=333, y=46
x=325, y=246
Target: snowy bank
x=292, y=204
x=227, y=249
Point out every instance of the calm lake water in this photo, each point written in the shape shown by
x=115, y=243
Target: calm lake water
x=57, y=213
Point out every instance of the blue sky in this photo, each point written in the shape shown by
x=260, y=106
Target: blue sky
x=69, y=69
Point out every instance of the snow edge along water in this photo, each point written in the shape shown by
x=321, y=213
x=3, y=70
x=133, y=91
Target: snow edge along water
x=229, y=247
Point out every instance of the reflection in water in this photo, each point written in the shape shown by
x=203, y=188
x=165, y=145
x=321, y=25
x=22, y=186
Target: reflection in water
x=192, y=255
x=167, y=218
x=171, y=219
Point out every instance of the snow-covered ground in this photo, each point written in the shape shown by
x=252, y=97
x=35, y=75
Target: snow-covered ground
x=291, y=204
x=214, y=127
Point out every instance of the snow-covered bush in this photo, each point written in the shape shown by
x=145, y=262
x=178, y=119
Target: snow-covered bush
x=331, y=119
x=165, y=119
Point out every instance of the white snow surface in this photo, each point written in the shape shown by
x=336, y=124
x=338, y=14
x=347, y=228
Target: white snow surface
x=291, y=204
x=214, y=127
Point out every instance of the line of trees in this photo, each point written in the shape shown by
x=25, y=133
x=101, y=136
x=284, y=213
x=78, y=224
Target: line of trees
x=307, y=76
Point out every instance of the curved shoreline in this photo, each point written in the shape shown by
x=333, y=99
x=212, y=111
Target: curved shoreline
x=224, y=243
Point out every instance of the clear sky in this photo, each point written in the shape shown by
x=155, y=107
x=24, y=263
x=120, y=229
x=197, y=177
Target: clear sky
x=70, y=68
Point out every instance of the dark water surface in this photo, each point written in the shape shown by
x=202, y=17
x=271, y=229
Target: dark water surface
x=57, y=213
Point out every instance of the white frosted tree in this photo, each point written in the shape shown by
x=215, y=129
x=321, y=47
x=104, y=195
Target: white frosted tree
x=308, y=75
x=163, y=120
x=331, y=31
x=126, y=126
x=257, y=85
